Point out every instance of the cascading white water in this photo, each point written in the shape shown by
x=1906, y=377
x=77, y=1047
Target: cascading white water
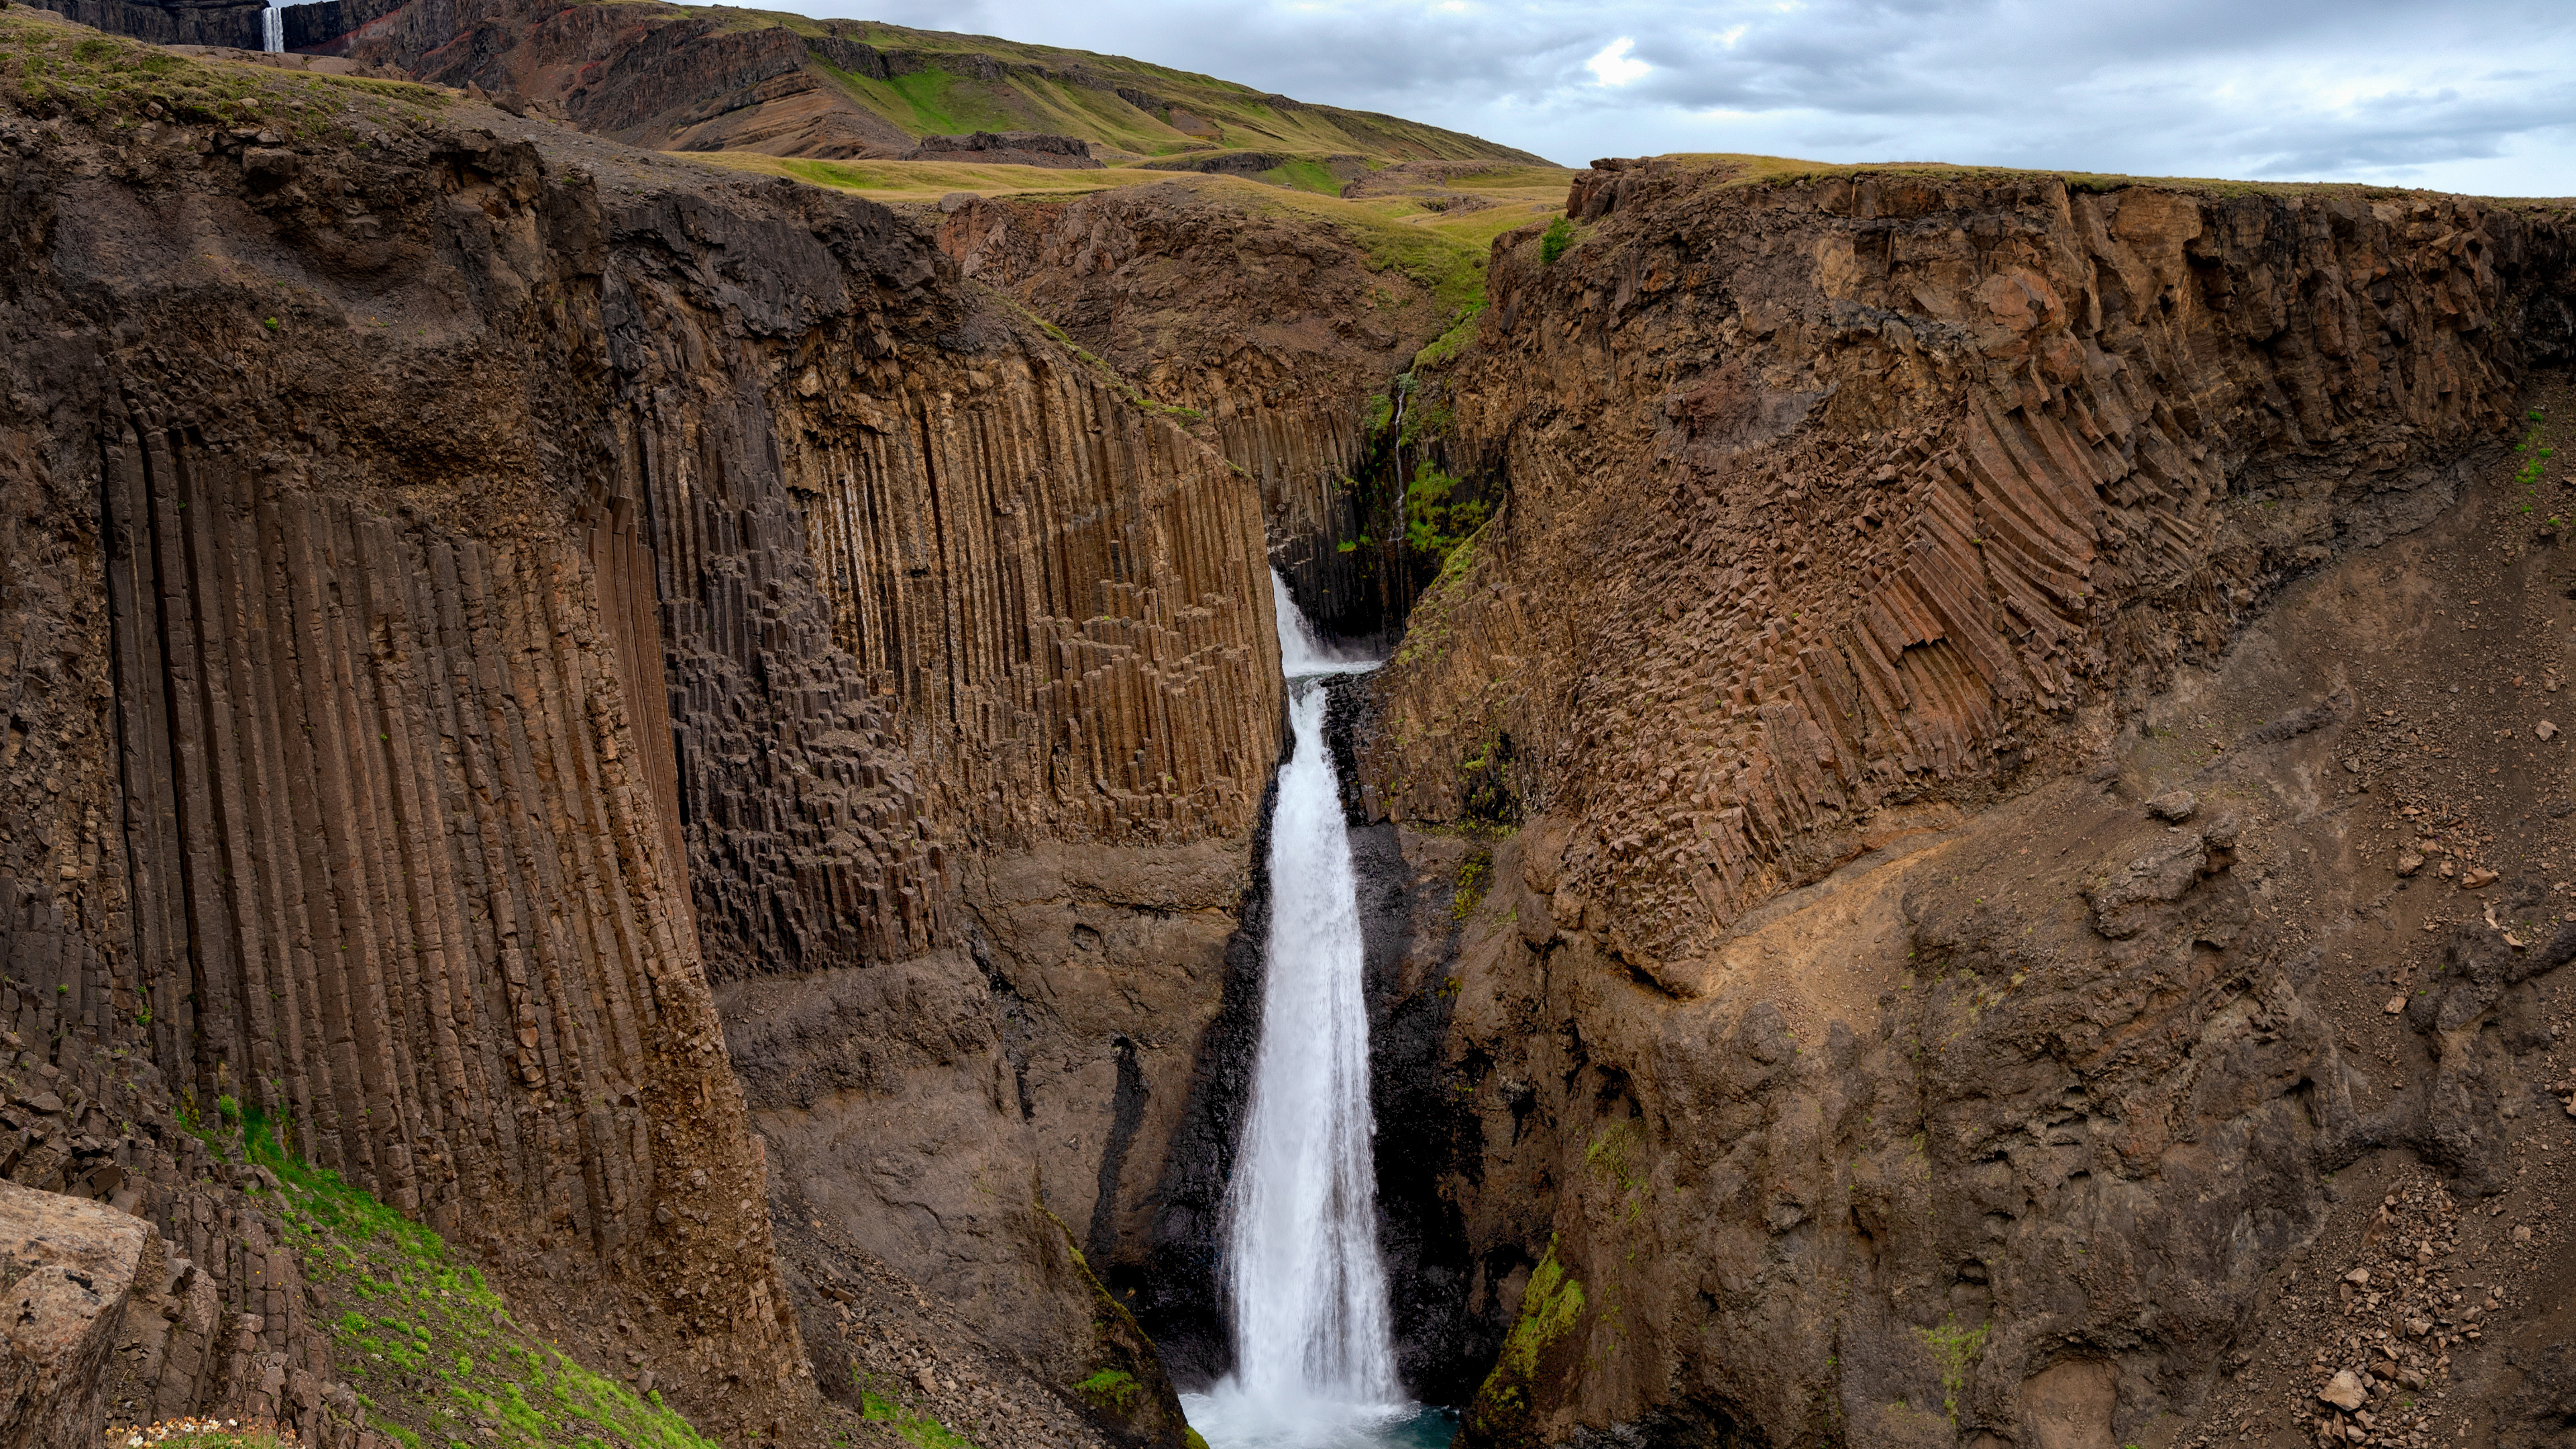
x=1309, y=1300
x=1303, y=653
x=1314, y=1356
x=272, y=29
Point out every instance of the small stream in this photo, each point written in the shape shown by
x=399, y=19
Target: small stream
x=1314, y=1354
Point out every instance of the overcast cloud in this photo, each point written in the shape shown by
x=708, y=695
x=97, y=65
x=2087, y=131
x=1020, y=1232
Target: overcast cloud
x=2471, y=96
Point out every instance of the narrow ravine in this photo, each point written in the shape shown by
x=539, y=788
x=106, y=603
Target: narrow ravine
x=1314, y=1349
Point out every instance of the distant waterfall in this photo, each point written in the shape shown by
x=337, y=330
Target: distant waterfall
x=272, y=29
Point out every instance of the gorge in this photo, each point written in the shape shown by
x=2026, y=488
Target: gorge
x=686, y=795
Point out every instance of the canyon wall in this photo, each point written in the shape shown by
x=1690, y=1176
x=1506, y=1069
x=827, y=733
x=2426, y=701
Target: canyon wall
x=477, y=597
x=1278, y=330
x=1840, y=1053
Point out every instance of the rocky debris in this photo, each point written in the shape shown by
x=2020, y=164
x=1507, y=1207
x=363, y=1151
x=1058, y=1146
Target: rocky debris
x=2123, y=903
x=2174, y=805
x=66, y=1269
x=2545, y=730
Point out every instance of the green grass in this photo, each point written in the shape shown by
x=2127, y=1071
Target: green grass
x=1304, y=175
x=422, y=1336
x=916, y=1426
x=1450, y=343
x=113, y=84
x=939, y=105
x=1552, y=244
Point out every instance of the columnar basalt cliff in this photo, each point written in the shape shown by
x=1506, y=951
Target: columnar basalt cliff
x=1933, y=465
x=1276, y=330
x=1843, y=1054
x=434, y=563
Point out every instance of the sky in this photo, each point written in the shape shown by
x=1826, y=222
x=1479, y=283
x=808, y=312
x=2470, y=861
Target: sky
x=2473, y=95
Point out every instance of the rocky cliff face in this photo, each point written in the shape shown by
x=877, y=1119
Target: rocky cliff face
x=1274, y=329
x=223, y=22
x=1844, y=1054
x=475, y=594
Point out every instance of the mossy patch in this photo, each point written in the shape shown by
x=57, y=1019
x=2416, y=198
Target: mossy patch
x=1501, y=1415
x=916, y=1426
x=1955, y=1351
x=420, y=1334
x=1112, y=1389
x=1475, y=873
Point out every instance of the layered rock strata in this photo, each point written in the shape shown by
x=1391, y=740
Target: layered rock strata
x=1007, y=148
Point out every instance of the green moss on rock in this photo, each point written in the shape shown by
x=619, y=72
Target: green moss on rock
x=1503, y=1413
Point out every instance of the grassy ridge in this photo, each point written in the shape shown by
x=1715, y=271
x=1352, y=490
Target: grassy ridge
x=949, y=84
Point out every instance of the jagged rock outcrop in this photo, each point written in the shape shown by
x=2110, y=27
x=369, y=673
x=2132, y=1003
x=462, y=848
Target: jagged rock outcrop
x=1256, y=164
x=1007, y=148
x=1842, y=1052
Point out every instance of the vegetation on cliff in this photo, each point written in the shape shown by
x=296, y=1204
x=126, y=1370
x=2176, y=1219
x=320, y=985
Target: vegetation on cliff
x=1500, y=1417
x=424, y=1339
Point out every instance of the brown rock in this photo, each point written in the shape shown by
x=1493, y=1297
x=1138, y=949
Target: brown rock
x=2344, y=1391
x=69, y=1266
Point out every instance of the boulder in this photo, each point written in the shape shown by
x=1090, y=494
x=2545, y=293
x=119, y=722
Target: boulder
x=67, y=1265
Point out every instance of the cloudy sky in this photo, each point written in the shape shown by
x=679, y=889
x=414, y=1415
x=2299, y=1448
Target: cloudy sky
x=2472, y=95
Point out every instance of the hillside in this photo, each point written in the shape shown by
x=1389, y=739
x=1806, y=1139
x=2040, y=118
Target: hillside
x=714, y=78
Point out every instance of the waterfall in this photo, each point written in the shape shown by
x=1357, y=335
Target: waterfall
x=272, y=29
x=1314, y=1356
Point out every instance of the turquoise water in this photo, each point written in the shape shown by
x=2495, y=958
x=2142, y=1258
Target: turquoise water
x=1231, y=1420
